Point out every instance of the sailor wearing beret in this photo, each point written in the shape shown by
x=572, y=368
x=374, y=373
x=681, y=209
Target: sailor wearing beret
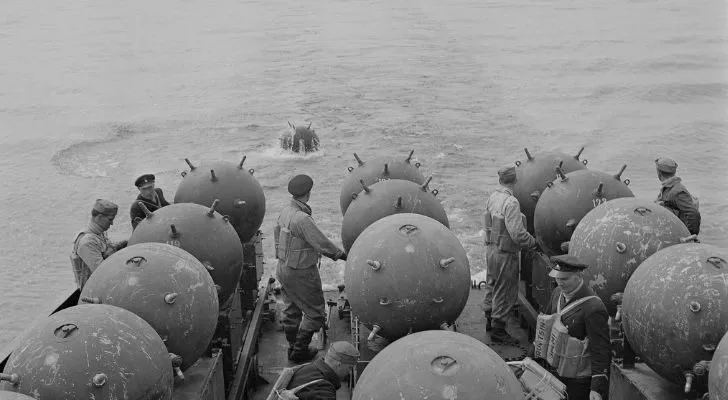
x=321, y=379
x=299, y=245
x=675, y=196
x=152, y=197
x=91, y=245
x=584, y=316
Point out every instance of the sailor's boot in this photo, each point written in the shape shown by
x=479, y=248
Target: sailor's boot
x=500, y=335
x=301, y=352
x=291, y=333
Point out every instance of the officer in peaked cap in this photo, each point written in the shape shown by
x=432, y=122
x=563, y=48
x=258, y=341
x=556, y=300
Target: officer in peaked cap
x=325, y=374
x=565, y=266
x=584, y=316
x=505, y=236
x=152, y=198
x=675, y=196
x=91, y=245
x=299, y=245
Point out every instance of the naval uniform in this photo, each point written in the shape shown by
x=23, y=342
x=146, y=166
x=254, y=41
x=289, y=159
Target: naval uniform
x=588, y=319
x=136, y=212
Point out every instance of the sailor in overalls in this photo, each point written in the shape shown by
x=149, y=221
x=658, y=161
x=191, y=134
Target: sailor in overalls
x=505, y=236
x=299, y=245
x=583, y=357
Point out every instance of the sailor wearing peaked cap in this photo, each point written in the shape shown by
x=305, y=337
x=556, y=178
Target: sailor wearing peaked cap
x=324, y=376
x=299, y=244
x=152, y=198
x=675, y=196
x=144, y=181
x=91, y=245
x=584, y=316
x=565, y=266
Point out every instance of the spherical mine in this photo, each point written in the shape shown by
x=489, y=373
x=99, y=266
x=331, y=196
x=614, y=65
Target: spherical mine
x=167, y=287
x=91, y=352
x=674, y=309
x=407, y=272
x=301, y=139
x=202, y=232
x=437, y=365
x=375, y=170
x=718, y=375
x=568, y=199
x=617, y=236
x=386, y=198
x=241, y=196
x=534, y=173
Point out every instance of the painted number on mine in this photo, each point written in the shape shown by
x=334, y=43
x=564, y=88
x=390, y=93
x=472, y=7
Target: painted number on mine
x=598, y=200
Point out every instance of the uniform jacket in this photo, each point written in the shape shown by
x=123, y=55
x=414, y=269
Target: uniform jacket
x=302, y=226
x=589, y=319
x=504, y=223
x=136, y=212
x=324, y=390
x=675, y=197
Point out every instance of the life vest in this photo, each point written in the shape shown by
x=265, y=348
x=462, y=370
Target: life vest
x=566, y=354
x=293, y=251
x=496, y=232
x=81, y=271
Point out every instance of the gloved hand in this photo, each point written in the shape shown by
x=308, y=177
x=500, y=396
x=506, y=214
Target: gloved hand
x=343, y=256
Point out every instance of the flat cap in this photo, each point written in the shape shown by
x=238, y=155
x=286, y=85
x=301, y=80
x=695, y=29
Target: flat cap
x=665, y=164
x=105, y=207
x=565, y=265
x=144, y=180
x=300, y=185
x=343, y=352
x=507, y=174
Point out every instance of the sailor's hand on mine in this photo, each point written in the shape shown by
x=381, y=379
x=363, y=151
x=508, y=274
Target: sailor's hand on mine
x=121, y=244
x=594, y=396
x=342, y=256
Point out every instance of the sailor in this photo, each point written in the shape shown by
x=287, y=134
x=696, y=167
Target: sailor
x=152, y=197
x=91, y=245
x=675, y=197
x=584, y=316
x=505, y=235
x=299, y=245
x=321, y=379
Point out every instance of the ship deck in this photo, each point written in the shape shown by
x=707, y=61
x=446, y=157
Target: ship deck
x=272, y=345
